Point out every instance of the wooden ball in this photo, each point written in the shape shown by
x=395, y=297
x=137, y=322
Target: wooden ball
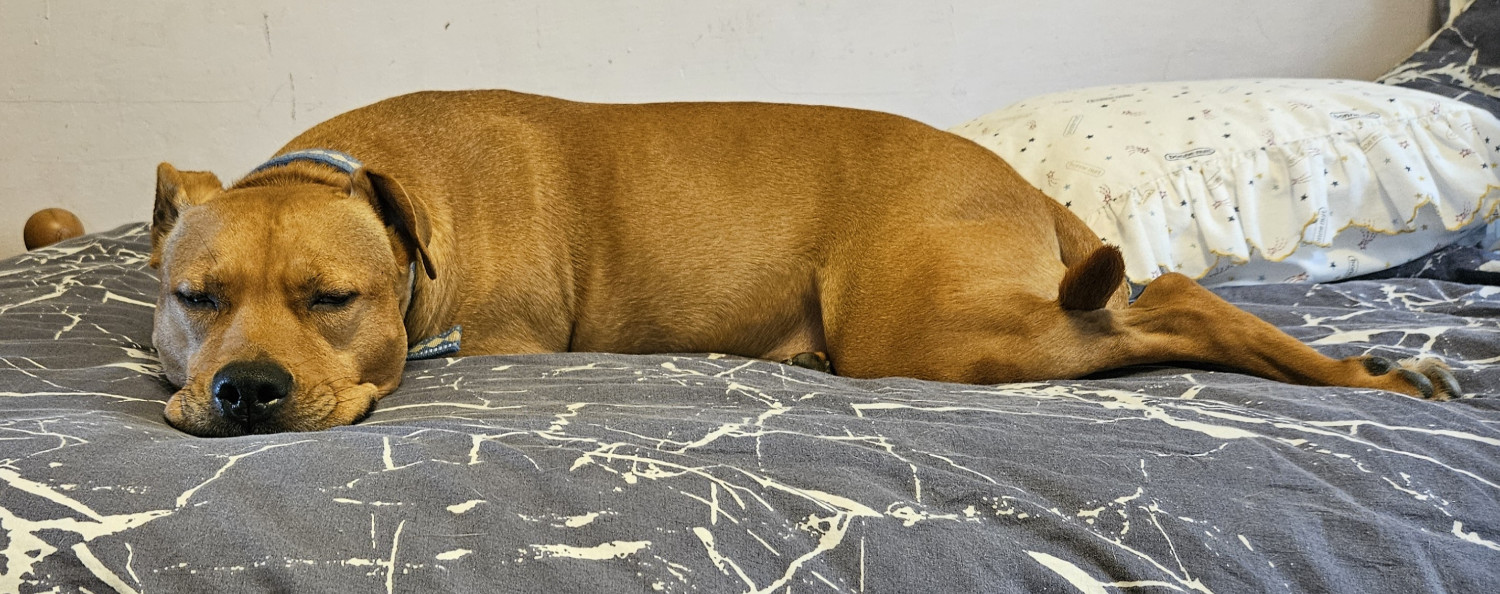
x=49, y=226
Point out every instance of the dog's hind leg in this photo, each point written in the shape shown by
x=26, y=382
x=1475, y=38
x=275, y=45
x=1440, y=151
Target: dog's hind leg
x=1177, y=320
x=999, y=332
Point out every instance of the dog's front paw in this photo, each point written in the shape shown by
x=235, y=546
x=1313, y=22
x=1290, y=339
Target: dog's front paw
x=810, y=360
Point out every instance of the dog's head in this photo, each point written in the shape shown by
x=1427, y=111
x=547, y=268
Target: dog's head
x=281, y=305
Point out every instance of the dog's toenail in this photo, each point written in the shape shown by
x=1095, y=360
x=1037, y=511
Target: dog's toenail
x=1378, y=365
x=1417, y=380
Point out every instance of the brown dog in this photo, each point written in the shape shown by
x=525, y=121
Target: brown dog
x=288, y=301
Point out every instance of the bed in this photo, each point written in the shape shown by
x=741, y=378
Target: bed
x=588, y=472
x=704, y=473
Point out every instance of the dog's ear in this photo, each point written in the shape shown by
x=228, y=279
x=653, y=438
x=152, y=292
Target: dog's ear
x=176, y=191
x=401, y=211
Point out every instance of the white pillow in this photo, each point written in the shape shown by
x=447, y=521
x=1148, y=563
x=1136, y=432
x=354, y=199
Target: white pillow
x=1258, y=181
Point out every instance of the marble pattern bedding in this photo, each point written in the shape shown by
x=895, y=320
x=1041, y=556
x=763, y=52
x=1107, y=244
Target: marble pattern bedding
x=605, y=473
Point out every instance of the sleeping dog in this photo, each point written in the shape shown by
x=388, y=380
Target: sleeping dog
x=824, y=237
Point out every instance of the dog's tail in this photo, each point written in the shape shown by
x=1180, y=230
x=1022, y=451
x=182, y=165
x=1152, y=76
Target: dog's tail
x=1089, y=285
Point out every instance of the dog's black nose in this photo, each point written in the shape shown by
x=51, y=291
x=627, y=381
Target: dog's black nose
x=249, y=391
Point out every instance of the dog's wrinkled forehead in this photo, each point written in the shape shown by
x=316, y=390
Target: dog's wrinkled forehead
x=263, y=230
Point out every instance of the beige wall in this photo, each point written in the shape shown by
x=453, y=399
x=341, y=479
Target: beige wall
x=94, y=93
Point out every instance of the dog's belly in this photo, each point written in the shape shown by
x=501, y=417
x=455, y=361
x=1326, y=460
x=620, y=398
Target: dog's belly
x=728, y=308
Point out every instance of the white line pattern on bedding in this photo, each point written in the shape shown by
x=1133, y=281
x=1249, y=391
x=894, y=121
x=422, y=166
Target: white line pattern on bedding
x=674, y=473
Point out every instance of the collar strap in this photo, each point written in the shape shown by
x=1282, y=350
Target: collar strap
x=338, y=160
x=444, y=344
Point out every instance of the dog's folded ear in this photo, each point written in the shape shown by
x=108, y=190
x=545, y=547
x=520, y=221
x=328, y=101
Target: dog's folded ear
x=176, y=191
x=401, y=211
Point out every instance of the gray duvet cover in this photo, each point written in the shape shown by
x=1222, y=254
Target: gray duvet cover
x=607, y=473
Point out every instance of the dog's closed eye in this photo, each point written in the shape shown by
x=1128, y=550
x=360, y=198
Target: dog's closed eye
x=333, y=300
x=198, y=300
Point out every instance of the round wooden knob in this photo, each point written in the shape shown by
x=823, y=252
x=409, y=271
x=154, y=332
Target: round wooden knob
x=50, y=226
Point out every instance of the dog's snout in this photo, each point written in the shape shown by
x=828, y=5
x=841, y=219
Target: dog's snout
x=249, y=391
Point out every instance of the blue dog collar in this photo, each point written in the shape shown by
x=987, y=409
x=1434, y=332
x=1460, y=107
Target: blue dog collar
x=342, y=161
x=446, y=343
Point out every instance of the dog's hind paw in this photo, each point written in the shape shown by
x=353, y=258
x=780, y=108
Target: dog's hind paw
x=1443, y=386
x=1431, y=377
x=810, y=360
